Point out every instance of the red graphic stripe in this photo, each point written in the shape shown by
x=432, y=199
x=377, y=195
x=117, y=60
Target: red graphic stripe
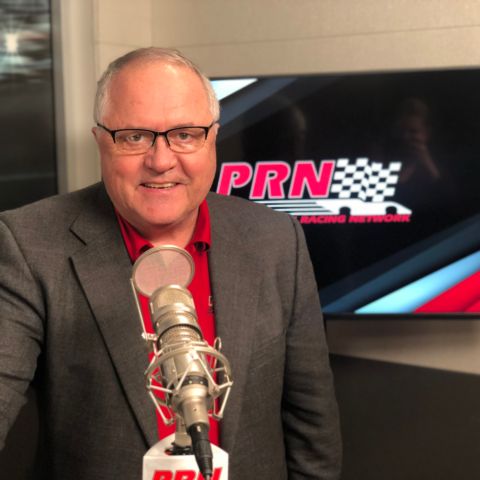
x=462, y=297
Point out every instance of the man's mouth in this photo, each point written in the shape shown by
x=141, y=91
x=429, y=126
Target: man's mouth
x=159, y=186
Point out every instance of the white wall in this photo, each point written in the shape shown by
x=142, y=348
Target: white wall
x=74, y=78
x=255, y=37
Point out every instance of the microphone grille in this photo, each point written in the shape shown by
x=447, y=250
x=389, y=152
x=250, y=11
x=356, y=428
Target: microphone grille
x=180, y=334
x=160, y=266
x=172, y=294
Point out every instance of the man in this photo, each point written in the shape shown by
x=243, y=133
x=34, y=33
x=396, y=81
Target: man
x=68, y=316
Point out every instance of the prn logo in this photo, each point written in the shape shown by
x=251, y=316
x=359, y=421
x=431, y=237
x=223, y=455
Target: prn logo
x=336, y=192
x=184, y=475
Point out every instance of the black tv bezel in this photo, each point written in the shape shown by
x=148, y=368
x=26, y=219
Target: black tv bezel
x=352, y=315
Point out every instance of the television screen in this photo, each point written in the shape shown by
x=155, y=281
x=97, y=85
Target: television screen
x=382, y=172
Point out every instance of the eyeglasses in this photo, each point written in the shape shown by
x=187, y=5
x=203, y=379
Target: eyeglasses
x=181, y=139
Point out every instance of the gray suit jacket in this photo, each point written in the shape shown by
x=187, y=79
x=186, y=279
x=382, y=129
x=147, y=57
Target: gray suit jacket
x=68, y=319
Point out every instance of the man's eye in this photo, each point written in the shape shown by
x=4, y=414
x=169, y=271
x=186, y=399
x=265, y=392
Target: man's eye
x=185, y=135
x=133, y=137
x=181, y=135
x=136, y=137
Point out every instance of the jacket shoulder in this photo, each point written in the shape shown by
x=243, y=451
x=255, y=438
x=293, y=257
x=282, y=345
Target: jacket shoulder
x=244, y=211
x=250, y=222
x=53, y=210
x=46, y=223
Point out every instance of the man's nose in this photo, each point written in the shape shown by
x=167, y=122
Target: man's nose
x=160, y=157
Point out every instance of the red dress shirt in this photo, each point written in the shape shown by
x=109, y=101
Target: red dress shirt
x=199, y=288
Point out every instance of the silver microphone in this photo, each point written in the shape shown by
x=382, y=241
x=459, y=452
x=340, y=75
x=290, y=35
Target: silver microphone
x=194, y=378
x=179, y=337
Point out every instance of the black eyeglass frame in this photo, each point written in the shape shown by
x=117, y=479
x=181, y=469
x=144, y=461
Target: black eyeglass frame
x=156, y=134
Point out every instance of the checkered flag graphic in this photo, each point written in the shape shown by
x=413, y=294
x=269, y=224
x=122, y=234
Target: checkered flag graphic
x=370, y=182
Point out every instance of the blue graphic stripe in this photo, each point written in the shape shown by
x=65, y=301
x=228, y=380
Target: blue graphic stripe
x=402, y=268
x=416, y=294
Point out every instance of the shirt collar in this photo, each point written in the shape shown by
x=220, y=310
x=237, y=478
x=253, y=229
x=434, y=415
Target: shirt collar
x=201, y=238
x=136, y=244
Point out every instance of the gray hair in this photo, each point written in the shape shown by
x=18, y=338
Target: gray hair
x=150, y=55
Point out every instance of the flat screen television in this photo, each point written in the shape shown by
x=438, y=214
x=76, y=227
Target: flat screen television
x=382, y=171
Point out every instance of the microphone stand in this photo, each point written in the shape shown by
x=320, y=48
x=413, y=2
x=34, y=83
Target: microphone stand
x=182, y=444
x=193, y=444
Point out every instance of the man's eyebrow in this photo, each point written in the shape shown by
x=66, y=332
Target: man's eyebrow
x=185, y=125
x=180, y=125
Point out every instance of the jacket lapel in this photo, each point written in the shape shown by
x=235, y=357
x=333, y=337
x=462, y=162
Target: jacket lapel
x=104, y=271
x=235, y=285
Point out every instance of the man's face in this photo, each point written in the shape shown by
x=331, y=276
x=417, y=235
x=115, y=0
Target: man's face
x=159, y=191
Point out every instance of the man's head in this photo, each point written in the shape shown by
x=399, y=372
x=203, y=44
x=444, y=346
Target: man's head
x=156, y=182
x=151, y=54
